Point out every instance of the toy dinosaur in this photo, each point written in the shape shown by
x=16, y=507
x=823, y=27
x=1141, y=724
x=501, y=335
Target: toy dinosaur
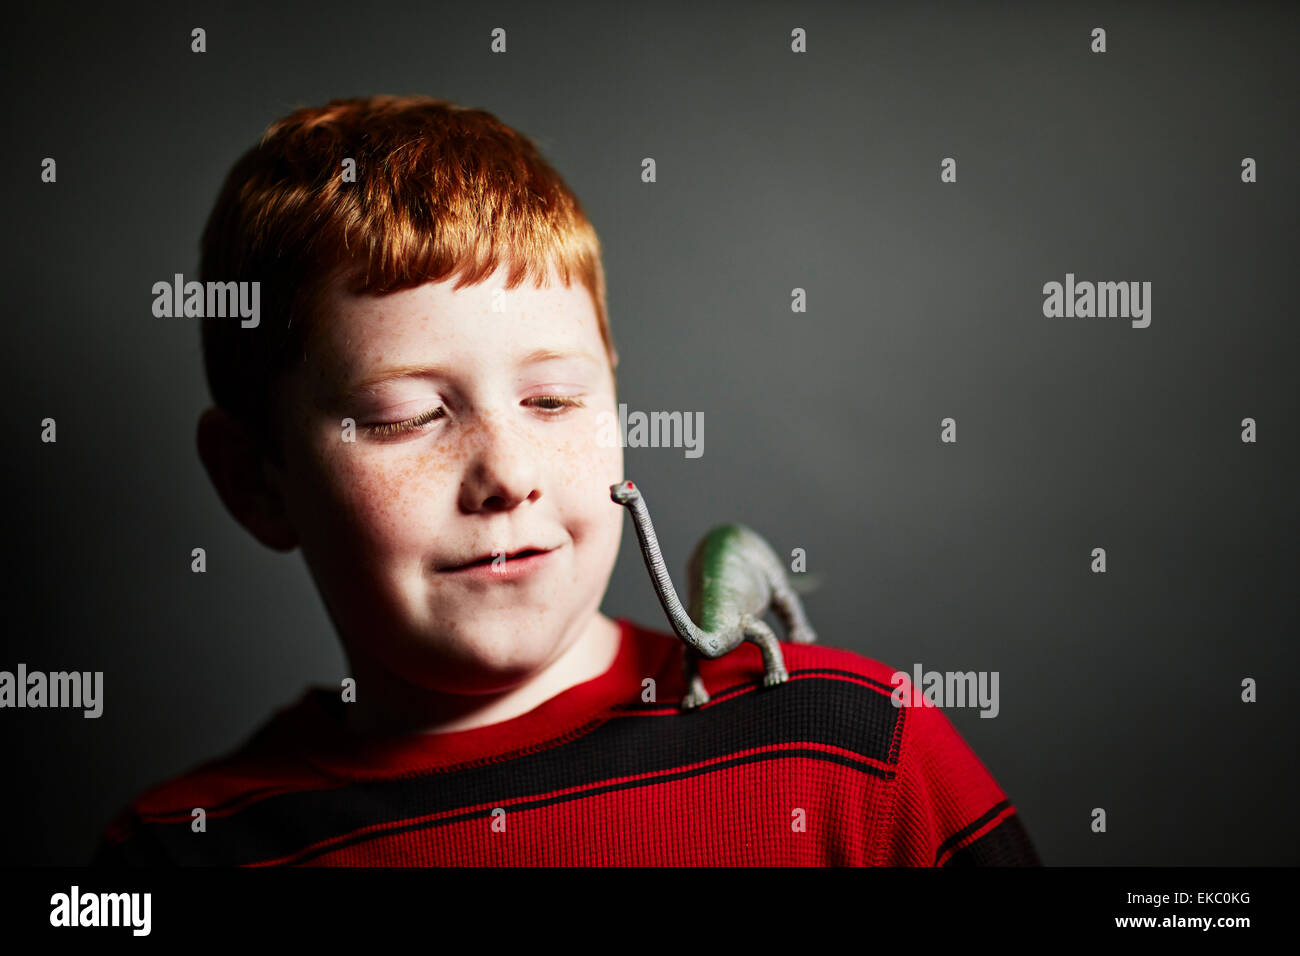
x=734, y=578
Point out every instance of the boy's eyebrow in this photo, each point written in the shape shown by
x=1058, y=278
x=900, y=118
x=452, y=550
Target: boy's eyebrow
x=534, y=357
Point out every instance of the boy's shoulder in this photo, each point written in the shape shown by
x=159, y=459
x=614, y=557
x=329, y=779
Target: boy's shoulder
x=847, y=720
x=833, y=695
x=809, y=660
x=828, y=688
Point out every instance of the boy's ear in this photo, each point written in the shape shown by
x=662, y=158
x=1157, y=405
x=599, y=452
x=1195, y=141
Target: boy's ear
x=244, y=479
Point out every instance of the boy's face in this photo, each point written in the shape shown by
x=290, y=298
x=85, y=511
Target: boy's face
x=504, y=466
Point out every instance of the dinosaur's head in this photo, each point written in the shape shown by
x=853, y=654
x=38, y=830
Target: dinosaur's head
x=625, y=493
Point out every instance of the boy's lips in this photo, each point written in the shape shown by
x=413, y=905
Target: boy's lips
x=487, y=559
x=519, y=565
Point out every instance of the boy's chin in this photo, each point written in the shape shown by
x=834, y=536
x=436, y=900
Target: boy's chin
x=489, y=660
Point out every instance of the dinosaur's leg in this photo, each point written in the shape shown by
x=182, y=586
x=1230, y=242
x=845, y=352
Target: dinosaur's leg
x=773, y=663
x=788, y=607
x=695, y=692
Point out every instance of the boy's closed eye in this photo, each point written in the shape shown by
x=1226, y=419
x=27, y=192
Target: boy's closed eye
x=554, y=406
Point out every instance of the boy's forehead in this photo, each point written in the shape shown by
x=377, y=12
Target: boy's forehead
x=365, y=340
x=442, y=303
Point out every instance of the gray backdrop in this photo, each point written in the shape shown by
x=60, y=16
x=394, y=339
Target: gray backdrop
x=775, y=170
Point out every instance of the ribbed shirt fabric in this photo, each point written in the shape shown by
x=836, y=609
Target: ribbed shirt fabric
x=821, y=770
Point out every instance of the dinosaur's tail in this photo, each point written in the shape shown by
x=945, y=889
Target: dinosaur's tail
x=802, y=584
x=802, y=635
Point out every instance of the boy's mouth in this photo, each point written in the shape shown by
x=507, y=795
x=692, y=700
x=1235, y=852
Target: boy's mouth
x=489, y=558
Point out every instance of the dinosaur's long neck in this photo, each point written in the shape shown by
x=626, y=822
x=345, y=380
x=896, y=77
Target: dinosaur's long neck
x=654, y=562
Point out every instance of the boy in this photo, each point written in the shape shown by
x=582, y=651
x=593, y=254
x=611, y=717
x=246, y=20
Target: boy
x=421, y=421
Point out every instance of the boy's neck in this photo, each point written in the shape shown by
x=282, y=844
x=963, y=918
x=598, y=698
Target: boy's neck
x=387, y=705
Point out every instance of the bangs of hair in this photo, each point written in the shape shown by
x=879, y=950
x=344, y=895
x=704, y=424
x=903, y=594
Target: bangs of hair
x=439, y=192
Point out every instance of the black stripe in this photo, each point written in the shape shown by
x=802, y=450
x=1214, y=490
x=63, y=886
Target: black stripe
x=970, y=828
x=1007, y=844
x=824, y=712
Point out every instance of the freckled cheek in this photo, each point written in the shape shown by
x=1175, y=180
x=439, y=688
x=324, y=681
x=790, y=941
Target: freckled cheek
x=581, y=463
x=585, y=471
x=386, y=500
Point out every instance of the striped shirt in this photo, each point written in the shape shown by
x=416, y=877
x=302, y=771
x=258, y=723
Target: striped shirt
x=824, y=769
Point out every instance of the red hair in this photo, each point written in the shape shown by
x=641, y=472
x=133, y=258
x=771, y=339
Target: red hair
x=441, y=191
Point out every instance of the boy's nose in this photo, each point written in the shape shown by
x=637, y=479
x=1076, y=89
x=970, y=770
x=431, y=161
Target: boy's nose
x=501, y=467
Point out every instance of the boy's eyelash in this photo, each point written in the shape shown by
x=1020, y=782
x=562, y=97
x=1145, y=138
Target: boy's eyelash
x=389, y=429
